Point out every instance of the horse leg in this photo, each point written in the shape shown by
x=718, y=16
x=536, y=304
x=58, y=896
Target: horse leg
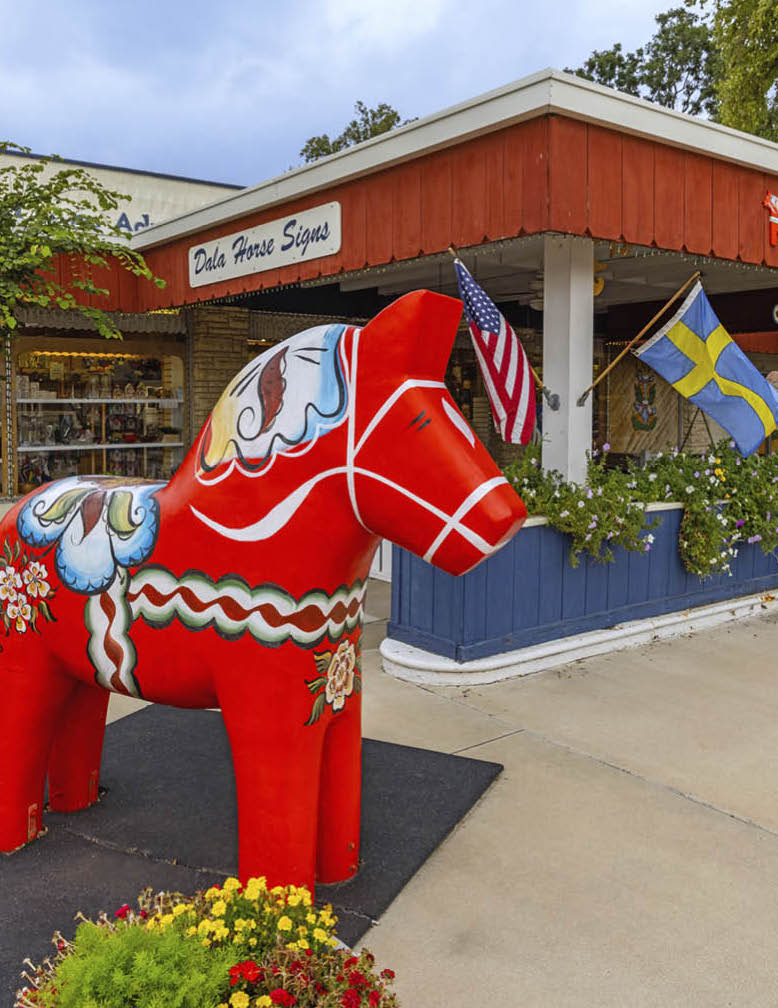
x=74, y=762
x=277, y=761
x=340, y=795
x=31, y=705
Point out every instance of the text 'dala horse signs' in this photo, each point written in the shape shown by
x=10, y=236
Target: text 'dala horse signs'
x=309, y=234
x=241, y=583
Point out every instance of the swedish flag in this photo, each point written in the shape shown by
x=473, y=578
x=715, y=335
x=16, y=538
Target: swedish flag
x=701, y=361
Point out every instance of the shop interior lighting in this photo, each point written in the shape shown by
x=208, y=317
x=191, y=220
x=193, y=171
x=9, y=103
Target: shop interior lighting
x=84, y=353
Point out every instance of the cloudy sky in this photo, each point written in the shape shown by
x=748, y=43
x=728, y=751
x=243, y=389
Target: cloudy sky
x=230, y=91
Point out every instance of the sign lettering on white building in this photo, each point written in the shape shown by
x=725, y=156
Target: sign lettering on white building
x=309, y=234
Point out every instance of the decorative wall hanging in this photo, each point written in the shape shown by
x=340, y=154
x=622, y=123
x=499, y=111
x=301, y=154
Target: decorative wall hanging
x=643, y=409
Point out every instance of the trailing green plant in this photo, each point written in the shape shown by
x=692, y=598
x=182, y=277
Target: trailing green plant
x=232, y=946
x=727, y=500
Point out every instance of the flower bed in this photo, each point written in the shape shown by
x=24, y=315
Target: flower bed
x=598, y=555
x=228, y=947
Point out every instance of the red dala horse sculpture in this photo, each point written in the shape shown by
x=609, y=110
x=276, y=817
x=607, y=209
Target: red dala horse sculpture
x=262, y=542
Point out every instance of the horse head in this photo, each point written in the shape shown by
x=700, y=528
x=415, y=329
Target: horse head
x=421, y=477
x=373, y=404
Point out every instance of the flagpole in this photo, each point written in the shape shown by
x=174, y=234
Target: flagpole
x=681, y=290
x=551, y=397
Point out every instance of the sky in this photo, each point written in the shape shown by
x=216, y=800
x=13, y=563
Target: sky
x=230, y=91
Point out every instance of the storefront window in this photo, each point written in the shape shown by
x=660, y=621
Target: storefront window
x=81, y=412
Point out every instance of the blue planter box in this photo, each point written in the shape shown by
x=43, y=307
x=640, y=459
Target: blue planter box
x=528, y=593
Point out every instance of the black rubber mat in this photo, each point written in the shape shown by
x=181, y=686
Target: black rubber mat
x=168, y=819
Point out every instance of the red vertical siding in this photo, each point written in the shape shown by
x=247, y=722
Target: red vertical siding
x=605, y=183
x=406, y=211
x=535, y=176
x=751, y=230
x=637, y=191
x=770, y=182
x=668, y=197
x=468, y=190
x=436, y=203
x=379, y=216
x=514, y=157
x=725, y=210
x=568, y=209
x=698, y=204
x=494, y=148
x=352, y=224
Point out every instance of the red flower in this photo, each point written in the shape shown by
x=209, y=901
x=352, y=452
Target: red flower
x=387, y=974
x=352, y=961
x=251, y=971
x=357, y=979
x=309, y=952
x=320, y=988
x=375, y=997
x=351, y=998
x=280, y=996
x=123, y=911
x=143, y=915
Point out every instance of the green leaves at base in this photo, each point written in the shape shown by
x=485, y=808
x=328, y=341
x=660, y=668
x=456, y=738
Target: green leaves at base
x=317, y=710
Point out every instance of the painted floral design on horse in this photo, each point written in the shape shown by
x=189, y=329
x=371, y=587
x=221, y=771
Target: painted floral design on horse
x=25, y=591
x=98, y=523
x=339, y=675
x=255, y=420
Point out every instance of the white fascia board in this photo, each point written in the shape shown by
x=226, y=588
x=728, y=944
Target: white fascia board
x=548, y=91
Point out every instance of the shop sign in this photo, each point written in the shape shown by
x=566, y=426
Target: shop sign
x=298, y=237
x=771, y=203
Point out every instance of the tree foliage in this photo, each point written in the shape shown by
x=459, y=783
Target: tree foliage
x=746, y=32
x=46, y=214
x=679, y=66
x=368, y=122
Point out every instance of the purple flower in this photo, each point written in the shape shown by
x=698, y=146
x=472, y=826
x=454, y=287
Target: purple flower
x=697, y=475
x=739, y=522
x=606, y=447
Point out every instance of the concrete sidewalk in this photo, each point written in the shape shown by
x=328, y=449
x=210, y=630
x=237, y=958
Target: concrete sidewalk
x=628, y=855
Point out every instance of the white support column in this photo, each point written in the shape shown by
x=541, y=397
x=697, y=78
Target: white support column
x=568, y=350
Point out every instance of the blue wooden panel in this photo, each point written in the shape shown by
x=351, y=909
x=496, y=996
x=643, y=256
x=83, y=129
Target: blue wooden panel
x=474, y=624
x=526, y=594
x=596, y=587
x=499, y=592
x=660, y=559
x=444, y=605
x=574, y=588
x=554, y=550
x=638, y=577
x=618, y=573
x=421, y=581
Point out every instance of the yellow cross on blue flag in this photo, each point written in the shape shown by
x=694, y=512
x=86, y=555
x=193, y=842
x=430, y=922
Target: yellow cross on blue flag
x=702, y=362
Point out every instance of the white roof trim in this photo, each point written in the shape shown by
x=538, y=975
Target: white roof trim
x=548, y=91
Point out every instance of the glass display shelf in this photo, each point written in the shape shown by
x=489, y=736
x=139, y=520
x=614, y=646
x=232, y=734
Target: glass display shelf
x=148, y=401
x=112, y=446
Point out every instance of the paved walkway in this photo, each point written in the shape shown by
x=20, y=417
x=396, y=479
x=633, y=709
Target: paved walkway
x=627, y=856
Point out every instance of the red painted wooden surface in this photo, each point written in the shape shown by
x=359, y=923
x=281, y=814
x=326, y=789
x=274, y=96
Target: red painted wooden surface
x=770, y=183
x=567, y=176
x=757, y=342
x=551, y=173
x=669, y=198
x=698, y=206
x=605, y=183
x=637, y=190
x=725, y=210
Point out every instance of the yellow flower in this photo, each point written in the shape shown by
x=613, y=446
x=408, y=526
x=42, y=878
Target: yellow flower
x=207, y=942
x=166, y=919
x=231, y=885
x=294, y=899
x=263, y=1002
x=284, y=924
x=212, y=893
x=240, y=924
x=191, y=930
x=252, y=942
x=277, y=890
x=302, y=943
x=239, y=999
x=219, y=908
x=180, y=908
x=306, y=897
x=302, y=930
x=310, y=918
x=319, y=935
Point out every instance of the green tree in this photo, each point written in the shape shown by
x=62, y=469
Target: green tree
x=369, y=122
x=46, y=214
x=746, y=32
x=679, y=67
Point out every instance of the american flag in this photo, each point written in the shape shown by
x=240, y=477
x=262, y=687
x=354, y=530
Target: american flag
x=504, y=363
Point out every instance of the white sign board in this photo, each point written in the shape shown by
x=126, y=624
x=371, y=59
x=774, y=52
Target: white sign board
x=309, y=234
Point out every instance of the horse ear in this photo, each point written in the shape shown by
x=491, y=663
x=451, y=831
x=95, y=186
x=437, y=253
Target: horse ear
x=413, y=336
